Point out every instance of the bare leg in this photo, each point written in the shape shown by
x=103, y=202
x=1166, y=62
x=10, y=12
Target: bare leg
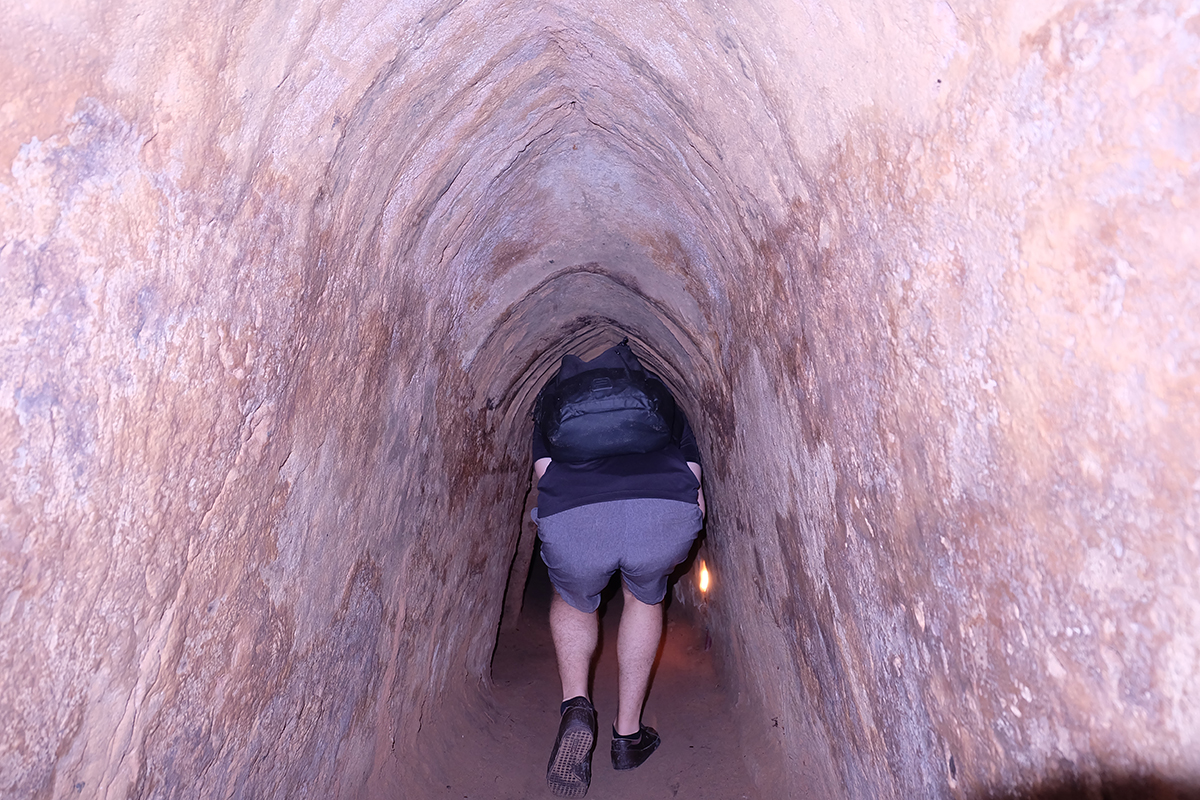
x=575, y=634
x=637, y=644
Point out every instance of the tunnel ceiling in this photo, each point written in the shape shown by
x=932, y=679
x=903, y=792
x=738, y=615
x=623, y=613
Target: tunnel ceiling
x=279, y=281
x=559, y=179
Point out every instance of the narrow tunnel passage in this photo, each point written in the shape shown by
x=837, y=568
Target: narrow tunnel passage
x=280, y=281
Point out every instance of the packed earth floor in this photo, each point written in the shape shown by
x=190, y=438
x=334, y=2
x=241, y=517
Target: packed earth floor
x=701, y=756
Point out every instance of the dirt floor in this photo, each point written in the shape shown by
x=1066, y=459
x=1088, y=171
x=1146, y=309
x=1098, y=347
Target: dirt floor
x=700, y=757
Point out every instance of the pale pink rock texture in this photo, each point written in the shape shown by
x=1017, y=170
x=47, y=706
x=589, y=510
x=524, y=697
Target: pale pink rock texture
x=279, y=281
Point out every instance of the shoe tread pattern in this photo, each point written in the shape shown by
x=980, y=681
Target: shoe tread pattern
x=570, y=769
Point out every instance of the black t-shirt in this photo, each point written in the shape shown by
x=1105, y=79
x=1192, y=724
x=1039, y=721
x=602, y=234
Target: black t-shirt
x=663, y=474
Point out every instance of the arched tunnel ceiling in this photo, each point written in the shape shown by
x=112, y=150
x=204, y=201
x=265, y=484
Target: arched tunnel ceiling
x=279, y=280
x=563, y=148
x=549, y=152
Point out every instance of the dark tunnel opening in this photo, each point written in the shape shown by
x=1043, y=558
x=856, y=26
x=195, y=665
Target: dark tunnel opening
x=280, y=282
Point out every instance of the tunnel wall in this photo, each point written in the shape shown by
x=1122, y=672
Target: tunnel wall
x=234, y=555
x=977, y=553
x=280, y=282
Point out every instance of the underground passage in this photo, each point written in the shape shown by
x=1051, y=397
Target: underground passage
x=282, y=280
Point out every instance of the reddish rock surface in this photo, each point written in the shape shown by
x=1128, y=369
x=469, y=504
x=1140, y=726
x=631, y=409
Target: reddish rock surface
x=279, y=282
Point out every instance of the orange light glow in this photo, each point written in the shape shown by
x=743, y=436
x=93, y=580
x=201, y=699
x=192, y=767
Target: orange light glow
x=703, y=577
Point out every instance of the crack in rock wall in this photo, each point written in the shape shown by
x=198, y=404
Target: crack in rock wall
x=280, y=281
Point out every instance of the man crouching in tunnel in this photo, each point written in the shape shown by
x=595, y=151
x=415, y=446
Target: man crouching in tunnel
x=618, y=489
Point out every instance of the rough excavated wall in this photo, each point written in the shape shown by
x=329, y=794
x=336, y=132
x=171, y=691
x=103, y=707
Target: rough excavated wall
x=978, y=553
x=234, y=537
x=279, y=282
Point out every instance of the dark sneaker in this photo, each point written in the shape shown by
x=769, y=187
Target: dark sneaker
x=570, y=770
x=630, y=753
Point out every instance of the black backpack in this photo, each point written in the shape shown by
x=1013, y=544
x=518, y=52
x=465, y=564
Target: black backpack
x=605, y=407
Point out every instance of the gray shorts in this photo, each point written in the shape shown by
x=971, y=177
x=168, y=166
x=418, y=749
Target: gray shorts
x=645, y=539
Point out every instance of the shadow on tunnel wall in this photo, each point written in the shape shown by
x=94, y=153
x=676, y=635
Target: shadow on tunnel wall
x=1104, y=787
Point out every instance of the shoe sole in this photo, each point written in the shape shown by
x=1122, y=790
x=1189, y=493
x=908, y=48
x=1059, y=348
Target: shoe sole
x=573, y=750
